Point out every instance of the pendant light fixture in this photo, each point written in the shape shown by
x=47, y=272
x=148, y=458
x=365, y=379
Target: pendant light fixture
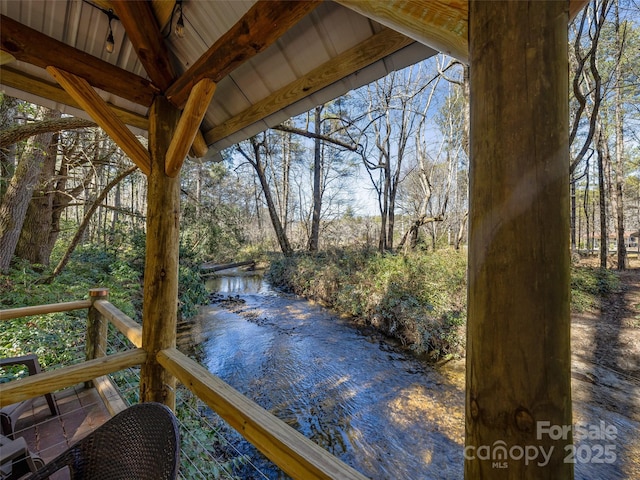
x=180, y=23
x=110, y=43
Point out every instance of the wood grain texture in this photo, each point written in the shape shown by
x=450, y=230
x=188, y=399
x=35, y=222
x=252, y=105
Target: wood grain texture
x=31, y=46
x=100, y=112
x=189, y=125
x=37, y=385
x=97, y=328
x=518, y=322
x=441, y=25
x=125, y=324
x=260, y=27
x=161, y=8
x=362, y=55
x=295, y=454
x=160, y=303
x=11, y=313
x=141, y=25
x=51, y=91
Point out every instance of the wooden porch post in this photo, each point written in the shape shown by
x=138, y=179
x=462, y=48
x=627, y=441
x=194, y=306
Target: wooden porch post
x=160, y=304
x=518, y=355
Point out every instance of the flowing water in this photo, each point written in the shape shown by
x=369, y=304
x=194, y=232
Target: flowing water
x=376, y=407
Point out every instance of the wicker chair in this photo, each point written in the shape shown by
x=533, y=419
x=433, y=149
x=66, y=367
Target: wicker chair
x=140, y=443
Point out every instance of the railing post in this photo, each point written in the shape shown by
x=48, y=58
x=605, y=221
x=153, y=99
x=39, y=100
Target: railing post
x=96, y=341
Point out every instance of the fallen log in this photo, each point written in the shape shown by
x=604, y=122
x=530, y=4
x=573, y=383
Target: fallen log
x=225, y=266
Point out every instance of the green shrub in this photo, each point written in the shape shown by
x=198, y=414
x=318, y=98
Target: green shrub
x=418, y=298
x=589, y=285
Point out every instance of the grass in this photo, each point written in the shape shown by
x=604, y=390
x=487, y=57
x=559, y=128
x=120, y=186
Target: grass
x=419, y=298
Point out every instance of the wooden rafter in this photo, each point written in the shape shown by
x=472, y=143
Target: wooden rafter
x=41, y=88
x=162, y=9
x=31, y=46
x=440, y=25
x=6, y=58
x=437, y=24
x=259, y=28
x=360, y=56
x=142, y=28
x=100, y=112
x=188, y=125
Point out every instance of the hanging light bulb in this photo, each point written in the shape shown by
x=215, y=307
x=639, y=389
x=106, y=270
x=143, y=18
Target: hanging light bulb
x=110, y=43
x=180, y=23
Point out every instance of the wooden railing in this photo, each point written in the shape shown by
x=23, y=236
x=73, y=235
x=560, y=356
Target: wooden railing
x=295, y=454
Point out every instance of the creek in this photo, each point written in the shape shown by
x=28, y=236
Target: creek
x=366, y=400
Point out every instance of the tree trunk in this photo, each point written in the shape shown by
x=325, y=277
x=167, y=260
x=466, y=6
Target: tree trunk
x=619, y=170
x=258, y=165
x=8, y=107
x=16, y=200
x=604, y=234
x=574, y=245
x=518, y=378
x=36, y=242
x=85, y=221
x=317, y=194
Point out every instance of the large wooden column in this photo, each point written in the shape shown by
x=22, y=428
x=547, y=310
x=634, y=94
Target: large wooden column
x=518, y=357
x=160, y=305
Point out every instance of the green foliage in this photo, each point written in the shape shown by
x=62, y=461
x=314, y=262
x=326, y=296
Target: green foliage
x=417, y=298
x=206, y=453
x=589, y=285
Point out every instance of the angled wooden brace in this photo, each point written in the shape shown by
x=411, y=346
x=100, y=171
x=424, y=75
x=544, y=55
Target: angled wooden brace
x=99, y=110
x=188, y=125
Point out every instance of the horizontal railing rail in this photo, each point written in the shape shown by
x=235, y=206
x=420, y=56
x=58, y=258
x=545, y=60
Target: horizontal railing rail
x=19, y=312
x=125, y=324
x=47, y=382
x=291, y=451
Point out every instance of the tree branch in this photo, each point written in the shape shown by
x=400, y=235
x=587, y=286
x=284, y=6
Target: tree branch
x=22, y=132
x=304, y=133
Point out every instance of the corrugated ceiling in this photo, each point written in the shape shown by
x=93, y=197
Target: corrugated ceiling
x=326, y=32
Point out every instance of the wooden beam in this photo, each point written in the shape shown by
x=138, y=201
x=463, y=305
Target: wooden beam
x=362, y=55
x=19, y=312
x=199, y=148
x=160, y=303
x=575, y=7
x=47, y=382
x=140, y=23
x=6, y=58
x=518, y=372
x=442, y=25
x=189, y=125
x=162, y=9
x=125, y=324
x=30, y=46
x=37, y=86
x=260, y=27
x=100, y=112
x=294, y=453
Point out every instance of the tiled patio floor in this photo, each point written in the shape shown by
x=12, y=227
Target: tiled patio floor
x=81, y=411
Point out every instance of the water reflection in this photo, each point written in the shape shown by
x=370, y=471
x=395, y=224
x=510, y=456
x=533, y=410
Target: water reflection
x=372, y=406
x=237, y=284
